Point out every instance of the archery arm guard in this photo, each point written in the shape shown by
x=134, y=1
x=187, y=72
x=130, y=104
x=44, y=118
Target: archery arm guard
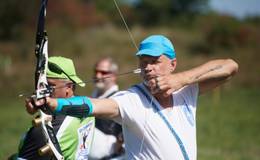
x=78, y=106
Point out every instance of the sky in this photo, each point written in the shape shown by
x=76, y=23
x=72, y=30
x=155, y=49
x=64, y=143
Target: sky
x=237, y=8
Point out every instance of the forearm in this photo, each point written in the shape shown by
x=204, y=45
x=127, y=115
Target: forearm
x=105, y=108
x=82, y=107
x=216, y=69
x=210, y=74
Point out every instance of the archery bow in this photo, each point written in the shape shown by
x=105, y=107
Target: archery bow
x=42, y=88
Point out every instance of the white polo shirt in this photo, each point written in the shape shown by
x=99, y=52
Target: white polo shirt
x=147, y=136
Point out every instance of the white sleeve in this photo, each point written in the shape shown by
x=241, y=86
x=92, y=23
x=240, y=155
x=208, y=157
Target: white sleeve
x=190, y=94
x=128, y=106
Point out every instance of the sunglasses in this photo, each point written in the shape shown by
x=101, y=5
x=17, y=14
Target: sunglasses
x=103, y=72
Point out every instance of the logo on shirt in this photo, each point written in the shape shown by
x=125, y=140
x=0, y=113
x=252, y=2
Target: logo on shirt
x=85, y=137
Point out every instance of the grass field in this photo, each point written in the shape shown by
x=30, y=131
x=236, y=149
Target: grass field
x=229, y=126
x=227, y=122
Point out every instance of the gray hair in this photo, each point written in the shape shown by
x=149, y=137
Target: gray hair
x=113, y=67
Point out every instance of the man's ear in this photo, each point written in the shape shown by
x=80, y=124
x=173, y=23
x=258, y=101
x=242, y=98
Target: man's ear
x=173, y=64
x=69, y=90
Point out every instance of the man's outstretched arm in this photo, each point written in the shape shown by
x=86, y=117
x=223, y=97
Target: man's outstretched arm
x=80, y=106
x=208, y=76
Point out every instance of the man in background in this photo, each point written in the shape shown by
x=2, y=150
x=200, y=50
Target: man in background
x=108, y=139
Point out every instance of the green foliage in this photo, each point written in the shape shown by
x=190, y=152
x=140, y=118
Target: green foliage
x=226, y=32
x=13, y=15
x=17, y=16
x=105, y=6
x=72, y=14
x=229, y=32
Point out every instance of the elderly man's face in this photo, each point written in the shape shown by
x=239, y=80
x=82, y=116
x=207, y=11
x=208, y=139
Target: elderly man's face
x=153, y=67
x=101, y=73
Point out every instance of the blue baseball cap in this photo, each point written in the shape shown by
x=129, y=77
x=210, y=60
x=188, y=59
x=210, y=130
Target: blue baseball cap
x=156, y=45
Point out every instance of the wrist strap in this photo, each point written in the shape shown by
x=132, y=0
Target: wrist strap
x=77, y=106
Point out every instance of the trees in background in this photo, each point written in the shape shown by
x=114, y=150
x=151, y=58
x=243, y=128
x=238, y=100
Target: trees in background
x=15, y=15
x=162, y=11
x=19, y=16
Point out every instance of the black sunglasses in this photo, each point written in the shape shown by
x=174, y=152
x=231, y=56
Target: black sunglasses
x=103, y=72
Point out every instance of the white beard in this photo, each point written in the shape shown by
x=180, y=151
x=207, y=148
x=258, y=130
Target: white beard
x=100, y=85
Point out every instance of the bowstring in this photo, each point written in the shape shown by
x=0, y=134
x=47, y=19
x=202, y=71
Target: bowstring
x=126, y=25
x=134, y=43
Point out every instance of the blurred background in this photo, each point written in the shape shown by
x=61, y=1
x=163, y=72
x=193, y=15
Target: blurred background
x=228, y=126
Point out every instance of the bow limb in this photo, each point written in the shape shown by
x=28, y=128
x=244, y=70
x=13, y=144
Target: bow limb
x=42, y=88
